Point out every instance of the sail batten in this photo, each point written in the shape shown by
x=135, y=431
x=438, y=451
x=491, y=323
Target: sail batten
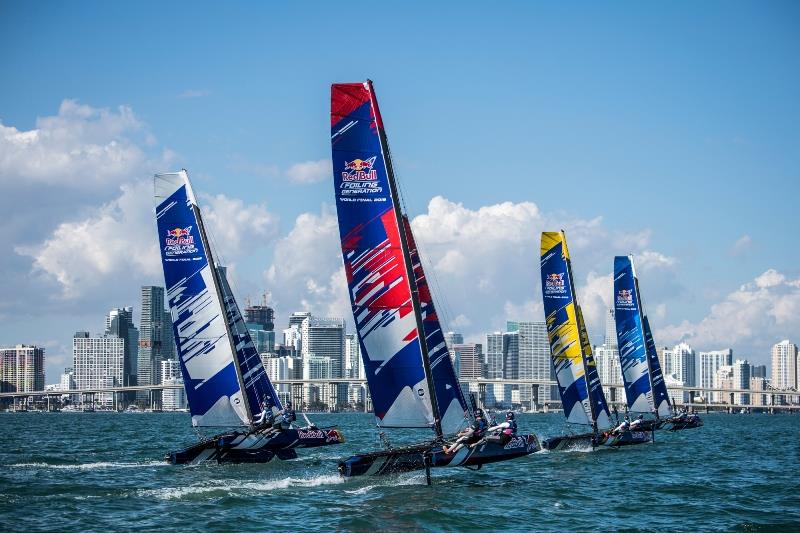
x=388, y=292
x=213, y=350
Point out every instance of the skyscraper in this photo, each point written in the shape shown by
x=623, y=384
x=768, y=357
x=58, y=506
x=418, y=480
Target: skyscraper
x=354, y=369
x=451, y=338
x=119, y=323
x=98, y=362
x=741, y=380
x=471, y=356
x=152, y=334
x=324, y=338
x=784, y=365
x=607, y=359
x=709, y=363
x=21, y=368
x=534, y=360
x=260, y=321
x=684, y=364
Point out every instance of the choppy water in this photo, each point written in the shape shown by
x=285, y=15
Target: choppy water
x=103, y=471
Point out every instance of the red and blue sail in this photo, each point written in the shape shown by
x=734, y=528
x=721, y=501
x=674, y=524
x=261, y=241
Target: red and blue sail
x=631, y=338
x=378, y=284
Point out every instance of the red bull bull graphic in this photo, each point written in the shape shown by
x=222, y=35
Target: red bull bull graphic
x=179, y=241
x=554, y=283
x=625, y=298
x=360, y=170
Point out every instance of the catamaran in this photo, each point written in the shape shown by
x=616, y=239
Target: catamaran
x=645, y=389
x=576, y=372
x=409, y=373
x=225, y=381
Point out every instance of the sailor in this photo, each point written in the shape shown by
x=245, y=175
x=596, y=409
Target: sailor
x=507, y=429
x=638, y=422
x=265, y=417
x=623, y=427
x=287, y=416
x=470, y=435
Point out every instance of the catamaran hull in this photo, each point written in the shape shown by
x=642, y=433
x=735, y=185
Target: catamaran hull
x=418, y=457
x=590, y=440
x=258, y=446
x=691, y=423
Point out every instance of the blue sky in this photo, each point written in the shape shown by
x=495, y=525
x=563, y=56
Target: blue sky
x=675, y=123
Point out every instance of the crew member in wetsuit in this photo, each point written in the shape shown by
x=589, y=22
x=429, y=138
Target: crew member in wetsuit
x=265, y=417
x=470, y=435
x=638, y=422
x=507, y=429
x=623, y=427
x=287, y=416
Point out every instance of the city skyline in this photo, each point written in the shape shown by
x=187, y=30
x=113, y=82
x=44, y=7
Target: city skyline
x=684, y=153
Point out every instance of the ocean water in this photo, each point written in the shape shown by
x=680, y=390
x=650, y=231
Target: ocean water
x=104, y=472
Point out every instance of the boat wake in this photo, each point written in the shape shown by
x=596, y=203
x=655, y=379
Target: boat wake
x=87, y=466
x=239, y=488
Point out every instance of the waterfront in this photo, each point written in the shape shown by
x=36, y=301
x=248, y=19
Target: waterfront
x=101, y=471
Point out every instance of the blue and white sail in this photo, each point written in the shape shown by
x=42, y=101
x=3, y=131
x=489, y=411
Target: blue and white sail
x=630, y=337
x=660, y=395
x=209, y=361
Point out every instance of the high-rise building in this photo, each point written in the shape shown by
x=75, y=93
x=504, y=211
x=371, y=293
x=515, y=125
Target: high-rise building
x=471, y=357
x=22, y=368
x=119, y=323
x=607, y=359
x=723, y=379
x=354, y=369
x=534, y=361
x=98, y=362
x=67, y=381
x=451, y=338
x=324, y=338
x=172, y=399
x=741, y=380
x=709, y=363
x=493, y=367
x=155, y=336
x=260, y=322
x=684, y=364
x=758, y=371
x=784, y=365
x=758, y=384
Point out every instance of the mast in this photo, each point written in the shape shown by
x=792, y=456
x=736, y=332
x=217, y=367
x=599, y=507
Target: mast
x=217, y=285
x=644, y=336
x=581, y=332
x=409, y=269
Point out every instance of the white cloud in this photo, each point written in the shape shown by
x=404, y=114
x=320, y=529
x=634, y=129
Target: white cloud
x=307, y=272
x=118, y=245
x=483, y=264
x=742, y=245
x=749, y=319
x=310, y=171
x=81, y=147
x=118, y=240
x=235, y=227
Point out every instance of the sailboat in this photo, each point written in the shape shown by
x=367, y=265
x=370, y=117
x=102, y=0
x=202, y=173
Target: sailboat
x=408, y=368
x=575, y=368
x=645, y=389
x=224, y=377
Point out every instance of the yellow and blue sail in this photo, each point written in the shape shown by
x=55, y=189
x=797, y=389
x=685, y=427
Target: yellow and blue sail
x=576, y=374
x=631, y=338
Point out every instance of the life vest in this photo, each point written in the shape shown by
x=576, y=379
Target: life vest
x=511, y=429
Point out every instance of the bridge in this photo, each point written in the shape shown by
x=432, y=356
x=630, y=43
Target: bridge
x=775, y=398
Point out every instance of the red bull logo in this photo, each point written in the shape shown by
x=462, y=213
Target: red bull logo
x=554, y=283
x=360, y=170
x=179, y=236
x=625, y=297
